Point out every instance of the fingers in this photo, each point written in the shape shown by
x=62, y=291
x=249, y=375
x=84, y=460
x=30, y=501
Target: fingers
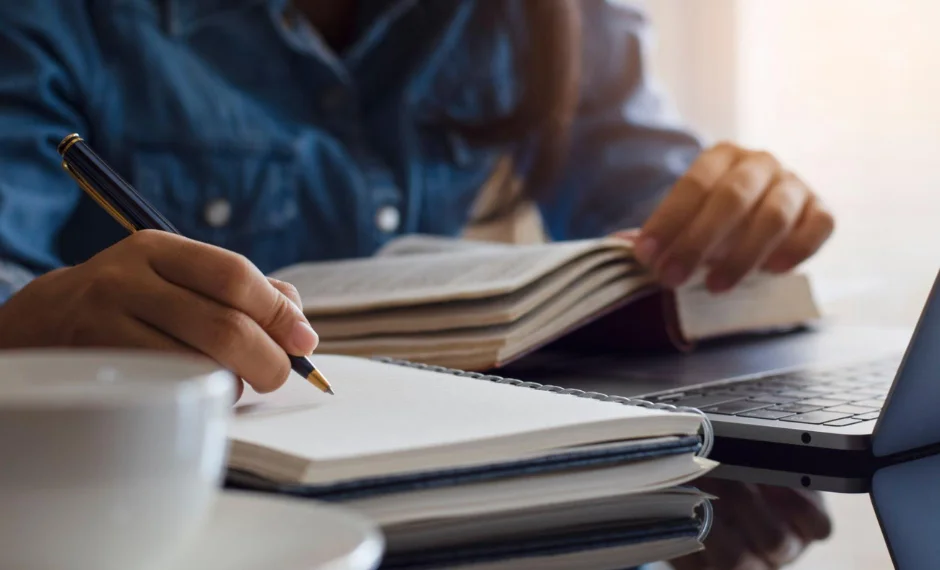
x=230, y=337
x=125, y=332
x=694, y=561
x=814, y=227
x=803, y=510
x=233, y=281
x=725, y=548
x=767, y=534
x=756, y=526
x=683, y=202
x=288, y=291
x=769, y=224
x=736, y=211
x=727, y=204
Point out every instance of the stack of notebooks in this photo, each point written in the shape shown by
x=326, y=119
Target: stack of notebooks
x=479, y=306
x=463, y=470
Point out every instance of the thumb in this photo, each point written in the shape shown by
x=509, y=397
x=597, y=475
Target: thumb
x=288, y=291
x=303, y=339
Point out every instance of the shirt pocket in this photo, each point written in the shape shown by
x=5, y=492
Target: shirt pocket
x=240, y=197
x=453, y=174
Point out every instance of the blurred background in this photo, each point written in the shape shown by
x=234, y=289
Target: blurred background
x=847, y=93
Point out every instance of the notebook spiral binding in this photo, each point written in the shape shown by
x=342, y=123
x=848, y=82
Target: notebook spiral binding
x=707, y=431
x=707, y=518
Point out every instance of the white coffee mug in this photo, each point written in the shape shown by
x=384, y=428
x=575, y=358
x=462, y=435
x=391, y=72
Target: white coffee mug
x=109, y=460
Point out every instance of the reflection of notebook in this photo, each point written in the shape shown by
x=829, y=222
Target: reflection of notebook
x=408, y=445
x=479, y=306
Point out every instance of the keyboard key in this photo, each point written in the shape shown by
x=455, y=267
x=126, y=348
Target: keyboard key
x=773, y=399
x=800, y=384
x=844, y=385
x=670, y=397
x=844, y=422
x=708, y=401
x=872, y=393
x=846, y=397
x=876, y=403
x=747, y=390
x=821, y=402
x=799, y=394
x=815, y=418
x=795, y=408
x=868, y=416
x=817, y=388
x=766, y=414
x=734, y=408
x=851, y=409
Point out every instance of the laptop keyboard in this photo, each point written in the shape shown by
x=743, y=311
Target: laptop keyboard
x=834, y=397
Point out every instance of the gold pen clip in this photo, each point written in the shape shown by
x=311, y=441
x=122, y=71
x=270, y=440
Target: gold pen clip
x=62, y=149
x=105, y=205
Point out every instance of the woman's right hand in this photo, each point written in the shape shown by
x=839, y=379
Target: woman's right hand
x=156, y=290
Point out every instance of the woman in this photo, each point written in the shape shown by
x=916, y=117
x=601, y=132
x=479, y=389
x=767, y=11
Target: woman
x=321, y=129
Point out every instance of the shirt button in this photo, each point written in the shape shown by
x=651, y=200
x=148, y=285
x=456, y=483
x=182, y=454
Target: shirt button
x=387, y=219
x=218, y=213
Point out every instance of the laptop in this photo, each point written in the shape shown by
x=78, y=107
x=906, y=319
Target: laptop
x=868, y=390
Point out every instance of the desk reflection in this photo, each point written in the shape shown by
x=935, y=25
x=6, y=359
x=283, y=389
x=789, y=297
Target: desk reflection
x=758, y=526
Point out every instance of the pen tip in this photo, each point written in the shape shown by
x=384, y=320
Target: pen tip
x=320, y=381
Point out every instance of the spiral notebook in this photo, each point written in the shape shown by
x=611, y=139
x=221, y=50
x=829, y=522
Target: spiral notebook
x=406, y=443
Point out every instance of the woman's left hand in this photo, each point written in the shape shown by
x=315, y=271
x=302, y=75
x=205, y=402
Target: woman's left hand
x=734, y=211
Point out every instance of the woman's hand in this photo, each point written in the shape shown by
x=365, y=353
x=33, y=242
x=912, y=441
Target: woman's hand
x=155, y=290
x=735, y=211
x=758, y=527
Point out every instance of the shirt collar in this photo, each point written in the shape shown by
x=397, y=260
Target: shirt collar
x=183, y=16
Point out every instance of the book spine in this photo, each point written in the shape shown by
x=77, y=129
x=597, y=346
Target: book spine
x=707, y=432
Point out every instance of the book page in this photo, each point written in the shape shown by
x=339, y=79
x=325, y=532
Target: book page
x=382, y=408
x=474, y=313
x=382, y=282
x=760, y=303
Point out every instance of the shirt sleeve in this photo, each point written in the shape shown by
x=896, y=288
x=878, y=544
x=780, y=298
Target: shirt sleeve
x=627, y=147
x=42, y=46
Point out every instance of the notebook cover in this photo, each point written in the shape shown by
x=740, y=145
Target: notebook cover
x=566, y=461
x=550, y=545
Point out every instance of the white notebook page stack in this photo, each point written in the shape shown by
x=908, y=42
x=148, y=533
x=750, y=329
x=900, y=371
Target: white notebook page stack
x=408, y=446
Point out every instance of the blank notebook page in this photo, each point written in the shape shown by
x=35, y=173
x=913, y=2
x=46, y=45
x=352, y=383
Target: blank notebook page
x=386, y=409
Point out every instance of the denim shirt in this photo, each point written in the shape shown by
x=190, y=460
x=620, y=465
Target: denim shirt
x=247, y=131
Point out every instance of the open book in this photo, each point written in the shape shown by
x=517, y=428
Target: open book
x=479, y=306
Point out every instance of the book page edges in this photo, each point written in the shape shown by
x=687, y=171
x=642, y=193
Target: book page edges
x=760, y=304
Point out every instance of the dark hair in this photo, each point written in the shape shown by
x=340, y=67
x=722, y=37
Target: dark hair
x=549, y=66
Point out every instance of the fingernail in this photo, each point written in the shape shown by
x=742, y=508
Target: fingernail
x=719, y=283
x=781, y=265
x=628, y=235
x=304, y=338
x=789, y=551
x=646, y=249
x=674, y=275
x=748, y=561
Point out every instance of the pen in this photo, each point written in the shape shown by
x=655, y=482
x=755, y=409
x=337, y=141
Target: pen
x=131, y=210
